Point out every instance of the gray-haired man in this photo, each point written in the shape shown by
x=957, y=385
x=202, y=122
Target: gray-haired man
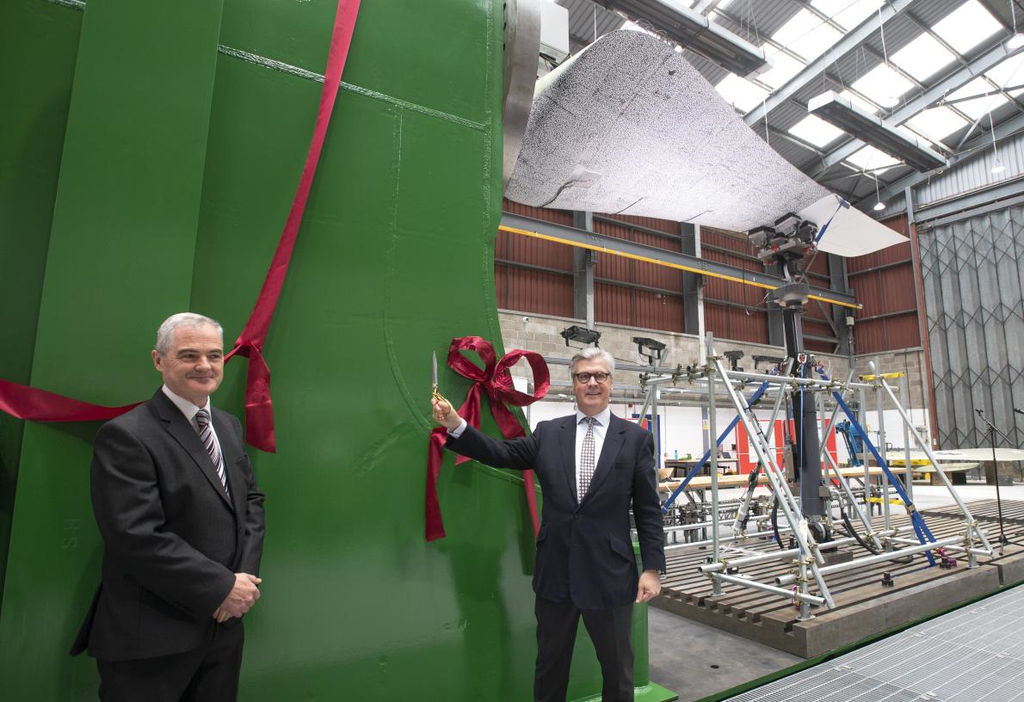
x=182, y=523
x=592, y=466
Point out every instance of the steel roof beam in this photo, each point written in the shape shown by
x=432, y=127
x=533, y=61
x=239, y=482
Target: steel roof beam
x=958, y=79
x=813, y=71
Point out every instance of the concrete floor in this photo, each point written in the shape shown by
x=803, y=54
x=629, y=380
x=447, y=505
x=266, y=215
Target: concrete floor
x=695, y=660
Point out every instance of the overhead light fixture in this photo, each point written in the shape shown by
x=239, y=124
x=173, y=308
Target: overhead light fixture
x=649, y=348
x=870, y=129
x=580, y=334
x=695, y=32
x=997, y=166
x=878, y=198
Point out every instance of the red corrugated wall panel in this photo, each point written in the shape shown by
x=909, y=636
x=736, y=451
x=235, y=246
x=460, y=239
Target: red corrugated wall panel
x=614, y=304
x=631, y=306
x=533, y=291
x=730, y=323
x=883, y=282
x=733, y=310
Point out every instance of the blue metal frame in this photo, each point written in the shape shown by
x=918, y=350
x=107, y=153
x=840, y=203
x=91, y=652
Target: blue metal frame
x=920, y=528
x=707, y=455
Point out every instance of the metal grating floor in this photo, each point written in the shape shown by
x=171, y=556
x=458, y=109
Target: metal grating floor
x=974, y=654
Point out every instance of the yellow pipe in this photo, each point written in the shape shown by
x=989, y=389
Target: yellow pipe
x=666, y=264
x=887, y=376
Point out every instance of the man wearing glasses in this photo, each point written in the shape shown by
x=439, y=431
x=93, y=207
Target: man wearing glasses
x=592, y=466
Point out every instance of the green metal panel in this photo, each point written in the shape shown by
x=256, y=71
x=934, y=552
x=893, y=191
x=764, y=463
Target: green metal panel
x=120, y=257
x=38, y=45
x=393, y=260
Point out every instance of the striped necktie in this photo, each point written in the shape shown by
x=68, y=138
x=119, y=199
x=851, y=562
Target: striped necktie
x=206, y=434
x=586, y=458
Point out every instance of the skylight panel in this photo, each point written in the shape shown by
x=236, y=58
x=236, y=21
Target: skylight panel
x=883, y=85
x=1009, y=73
x=783, y=67
x=978, y=106
x=847, y=13
x=871, y=159
x=923, y=57
x=807, y=35
x=860, y=102
x=967, y=26
x=741, y=93
x=936, y=122
x=816, y=131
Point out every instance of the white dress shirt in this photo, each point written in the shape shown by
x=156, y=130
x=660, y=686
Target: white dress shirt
x=190, y=410
x=600, y=429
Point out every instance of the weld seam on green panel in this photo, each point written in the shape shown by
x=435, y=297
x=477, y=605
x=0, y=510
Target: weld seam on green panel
x=270, y=63
x=413, y=107
x=282, y=67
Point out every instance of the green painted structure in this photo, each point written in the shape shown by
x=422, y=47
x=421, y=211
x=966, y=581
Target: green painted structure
x=148, y=156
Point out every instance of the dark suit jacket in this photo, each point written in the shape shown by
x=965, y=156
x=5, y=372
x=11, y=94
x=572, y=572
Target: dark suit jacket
x=584, y=550
x=172, y=539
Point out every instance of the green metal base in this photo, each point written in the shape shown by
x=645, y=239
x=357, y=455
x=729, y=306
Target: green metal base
x=652, y=692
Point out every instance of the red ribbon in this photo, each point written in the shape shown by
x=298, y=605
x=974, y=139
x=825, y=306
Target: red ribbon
x=24, y=402
x=30, y=403
x=495, y=381
x=259, y=408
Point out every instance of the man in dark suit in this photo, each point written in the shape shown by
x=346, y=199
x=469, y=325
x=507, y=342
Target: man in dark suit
x=591, y=467
x=182, y=523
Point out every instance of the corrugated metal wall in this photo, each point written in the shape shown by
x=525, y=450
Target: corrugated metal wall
x=883, y=282
x=731, y=310
x=633, y=293
x=972, y=271
x=818, y=332
x=973, y=174
x=532, y=275
x=536, y=276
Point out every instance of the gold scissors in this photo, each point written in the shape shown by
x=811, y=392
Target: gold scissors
x=433, y=390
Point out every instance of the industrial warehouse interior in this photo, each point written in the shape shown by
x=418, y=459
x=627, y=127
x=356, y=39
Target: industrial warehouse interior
x=789, y=234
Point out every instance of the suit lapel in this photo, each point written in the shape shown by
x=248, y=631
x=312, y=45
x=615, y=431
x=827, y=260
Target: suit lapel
x=182, y=432
x=613, y=439
x=568, y=442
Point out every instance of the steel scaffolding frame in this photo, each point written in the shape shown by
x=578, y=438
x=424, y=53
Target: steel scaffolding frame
x=809, y=563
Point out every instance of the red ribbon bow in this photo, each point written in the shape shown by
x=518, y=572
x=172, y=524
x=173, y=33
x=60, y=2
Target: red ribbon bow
x=494, y=380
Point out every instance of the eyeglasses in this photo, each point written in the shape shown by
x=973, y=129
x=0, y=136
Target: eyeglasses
x=584, y=378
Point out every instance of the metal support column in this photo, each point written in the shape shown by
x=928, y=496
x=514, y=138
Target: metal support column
x=583, y=261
